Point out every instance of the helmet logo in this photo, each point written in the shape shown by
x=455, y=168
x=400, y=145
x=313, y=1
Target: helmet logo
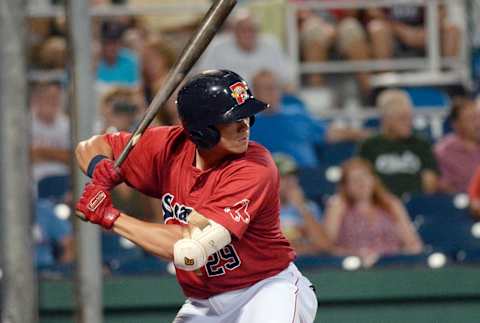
x=239, y=92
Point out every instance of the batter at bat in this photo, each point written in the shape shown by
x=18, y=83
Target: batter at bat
x=220, y=198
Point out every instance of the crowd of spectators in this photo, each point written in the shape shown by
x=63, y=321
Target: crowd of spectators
x=365, y=217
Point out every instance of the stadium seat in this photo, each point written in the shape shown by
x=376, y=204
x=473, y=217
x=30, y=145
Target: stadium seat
x=117, y=250
x=372, y=123
x=57, y=271
x=402, y=260
x=320, y=261
x=428, y=97
x=54, y=187
x=315, y=183
x=446, y=126
x=442, y=224
x=292, y=104
x=335, y=153
x=146, y=264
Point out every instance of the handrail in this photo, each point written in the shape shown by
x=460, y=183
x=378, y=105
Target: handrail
x=45, y=11
x=432, y=63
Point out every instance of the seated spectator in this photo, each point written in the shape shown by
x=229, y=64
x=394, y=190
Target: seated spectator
x=117, y=65
x=365, y=220
x=245, y=51
x=124, y=116
x=303, y=133
x=404, y=162
x=340, y=29
x=474, y=194
x=52, y=236
x=299, y=217
x=157, y=60
x=115, y=115
x=401, y=31
x=458, y=153
x=50, y=150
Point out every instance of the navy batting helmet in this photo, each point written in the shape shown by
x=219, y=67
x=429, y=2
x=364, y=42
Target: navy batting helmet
x=214, y=97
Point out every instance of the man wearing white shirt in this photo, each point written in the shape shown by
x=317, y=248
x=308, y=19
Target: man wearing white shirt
x=50, y=132
x=246, y=51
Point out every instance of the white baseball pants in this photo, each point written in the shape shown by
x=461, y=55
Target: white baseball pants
x=284, y=298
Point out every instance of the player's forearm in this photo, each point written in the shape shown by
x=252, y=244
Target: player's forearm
x=87, y=149
x=429, y=181
x=155, y=238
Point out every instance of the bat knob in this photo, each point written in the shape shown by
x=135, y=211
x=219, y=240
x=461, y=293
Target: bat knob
x=81, y=216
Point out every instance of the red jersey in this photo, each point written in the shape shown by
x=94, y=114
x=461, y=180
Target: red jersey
x=241, y=194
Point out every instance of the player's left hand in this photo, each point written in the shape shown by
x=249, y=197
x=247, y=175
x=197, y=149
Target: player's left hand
x=96, y=206
x=107, y=174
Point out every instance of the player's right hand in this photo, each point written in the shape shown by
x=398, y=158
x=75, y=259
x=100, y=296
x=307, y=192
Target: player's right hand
x=96, y=206
x=107, y=174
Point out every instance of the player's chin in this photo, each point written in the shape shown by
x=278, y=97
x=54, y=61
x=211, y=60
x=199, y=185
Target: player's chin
x=240, y=147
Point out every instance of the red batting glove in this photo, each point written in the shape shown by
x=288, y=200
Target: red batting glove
x=107, y=174
x=96, y=205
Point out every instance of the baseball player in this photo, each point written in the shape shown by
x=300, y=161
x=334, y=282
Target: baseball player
x=220, y=199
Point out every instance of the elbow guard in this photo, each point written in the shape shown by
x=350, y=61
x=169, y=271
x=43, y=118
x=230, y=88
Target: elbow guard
x=192, y=253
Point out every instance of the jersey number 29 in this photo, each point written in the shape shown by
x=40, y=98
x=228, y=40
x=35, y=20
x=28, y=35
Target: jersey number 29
x=231, y=261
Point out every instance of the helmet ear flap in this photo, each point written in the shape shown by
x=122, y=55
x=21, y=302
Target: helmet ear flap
x=205, y=138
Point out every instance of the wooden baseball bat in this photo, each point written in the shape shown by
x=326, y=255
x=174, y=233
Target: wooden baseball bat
x=209, y=26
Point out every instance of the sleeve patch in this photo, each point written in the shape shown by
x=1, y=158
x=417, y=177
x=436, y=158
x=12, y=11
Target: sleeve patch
x=239, y=211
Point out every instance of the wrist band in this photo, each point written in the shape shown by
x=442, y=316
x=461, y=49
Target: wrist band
x=93, y=163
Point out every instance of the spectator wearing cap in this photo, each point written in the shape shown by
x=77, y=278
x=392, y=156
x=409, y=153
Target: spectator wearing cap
x=458, y=153
x=117, y=65
x=120, y=108
x=299, y=217
x=404, y=161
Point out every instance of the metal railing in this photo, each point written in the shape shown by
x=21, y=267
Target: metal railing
x=45, y=11
x=431, y=69
x=431, y=65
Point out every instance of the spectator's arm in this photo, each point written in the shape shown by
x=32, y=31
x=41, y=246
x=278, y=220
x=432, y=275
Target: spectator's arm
x=429, y=171
x=314, y=230
x=411, y=241
x=409, y=35
x=40, y=154
x=60, y=232
x=475, y=208
x=447, y=170
x=68, y=250
x=337, y=134
x=333, y=217
x=430, y=182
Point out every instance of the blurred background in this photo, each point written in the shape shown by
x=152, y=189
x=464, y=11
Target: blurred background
x=374, y=126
